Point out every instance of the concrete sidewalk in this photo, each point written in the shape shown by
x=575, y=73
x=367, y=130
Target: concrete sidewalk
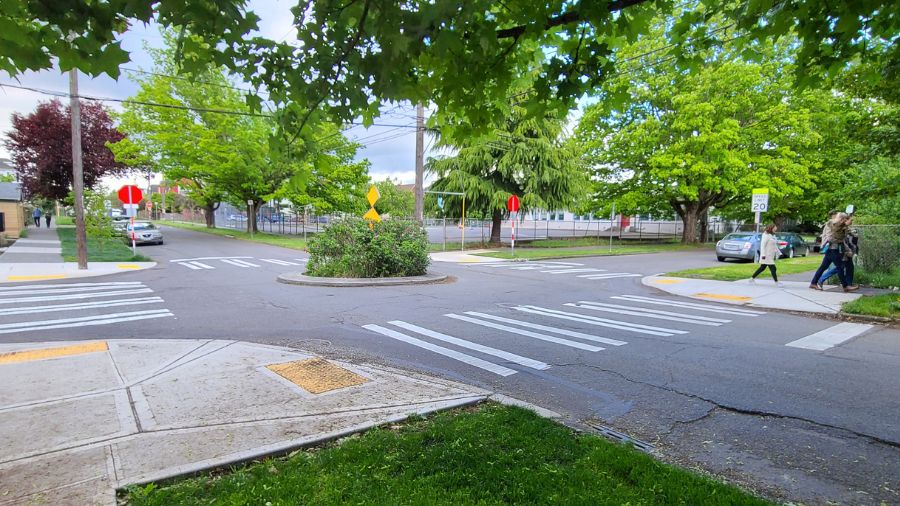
x=38, y=257
x=464, y=257
x=793, y=296
x=80, y=419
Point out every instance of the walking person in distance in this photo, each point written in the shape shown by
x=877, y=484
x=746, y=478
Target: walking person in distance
x=47, y=217
x=36, y=214
x=768, y=252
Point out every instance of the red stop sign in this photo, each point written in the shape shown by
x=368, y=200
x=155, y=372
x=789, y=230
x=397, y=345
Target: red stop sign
x=513, y=203
x=130, y=194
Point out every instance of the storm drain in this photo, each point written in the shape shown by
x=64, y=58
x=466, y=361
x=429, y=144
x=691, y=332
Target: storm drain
x=316, y=375
x=621, y=437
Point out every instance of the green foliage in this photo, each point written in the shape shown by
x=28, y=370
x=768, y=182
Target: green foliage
x=486, y=456
x=393, y=200
x=885, y=306
x=7, y=178
x=99, y=249
x=737, y=271
x=348, y=248
x=97, y=222
x=879, y=248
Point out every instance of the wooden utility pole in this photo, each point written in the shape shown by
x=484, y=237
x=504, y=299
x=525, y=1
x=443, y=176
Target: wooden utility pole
x=420, y=163
x=77, y=171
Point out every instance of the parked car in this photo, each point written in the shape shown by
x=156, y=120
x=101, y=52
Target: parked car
x=144, y=233
x=745, y=246
x=119, y=223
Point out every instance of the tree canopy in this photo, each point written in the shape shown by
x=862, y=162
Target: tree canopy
x=466, y=58
x=41, y=147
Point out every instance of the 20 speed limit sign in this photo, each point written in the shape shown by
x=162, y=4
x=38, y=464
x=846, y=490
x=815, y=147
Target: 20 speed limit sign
x=760, y=200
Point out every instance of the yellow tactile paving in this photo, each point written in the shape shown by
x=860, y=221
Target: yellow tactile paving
x=316, y=375
x=722, y=296
x=667, y=281
x=36, y=277
x=58, y=351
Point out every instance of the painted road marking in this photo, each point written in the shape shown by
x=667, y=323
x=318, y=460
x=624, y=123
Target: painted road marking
x=611, y=275
x=76, y=296
x=723, y=296
x=278, y=262
x=565, y=332
x=572, y=271
x=649, y=313
x=69, y=285
x=689, y=305
x=128, y=266
x=202, y=258
x=440, y=350
x=83, y=321
x=81, y=305
x=667, y=281
x=603, y=322
x=38, y=291
x=55, y=352
x=201, y=265
x=238, y=263
x=462, y=343
x=527, y=333
x=35, y=277
x=830, y=337
x=190, y=265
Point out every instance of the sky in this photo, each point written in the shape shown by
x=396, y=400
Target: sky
x=390, y=150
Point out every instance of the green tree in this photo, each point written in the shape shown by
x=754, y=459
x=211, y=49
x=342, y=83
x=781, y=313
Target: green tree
x=696, y=140
x=394, y=201
x=523, y=155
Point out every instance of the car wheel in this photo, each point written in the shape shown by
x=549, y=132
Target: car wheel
x=721, y=259
x=160, y=242
x=791, y=253
x=756, y=258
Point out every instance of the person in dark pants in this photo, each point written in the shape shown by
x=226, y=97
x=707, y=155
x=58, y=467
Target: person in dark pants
x=36, y=214
x=833, y=246
x=851, y=249
x=768, y=252
x=47, y=218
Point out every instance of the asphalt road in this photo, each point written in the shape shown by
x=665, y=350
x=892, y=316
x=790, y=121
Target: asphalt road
x=709, y=389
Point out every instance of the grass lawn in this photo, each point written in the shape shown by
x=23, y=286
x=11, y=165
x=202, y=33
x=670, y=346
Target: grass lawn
x=541, y=252
x=887, y=305
x=877, y=279
x=111, y=249
x=489, y=454
x=285, y=241
x=456, y=246
x=64, y=221
x=735, y=271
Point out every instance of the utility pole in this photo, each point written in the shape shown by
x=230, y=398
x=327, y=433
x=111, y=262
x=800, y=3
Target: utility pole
x=77, y=171
x=420, y=163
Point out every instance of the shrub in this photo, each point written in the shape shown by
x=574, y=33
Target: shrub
x=348, y=248
x=879, y=248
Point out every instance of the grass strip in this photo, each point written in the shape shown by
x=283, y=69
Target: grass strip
x=544, y=252
x=489, y=454
x=106, y=249
x=283, y=241
x=890, y=280
x=887, y=305
x=734, y=272
x=64, y=221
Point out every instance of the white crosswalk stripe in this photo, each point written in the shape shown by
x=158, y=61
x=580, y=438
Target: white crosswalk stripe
x=689, y=305
x=565, y=332
x=243, y=262
x=24, y=301
x=190, y=265
x=611, y=275
x=560, y=268
x=659, y=315
x=238, y=263
x=278, y=262
x=462, y=357
x=527, y=333
x=654, y=311
x=603, y=322
x=572, y=271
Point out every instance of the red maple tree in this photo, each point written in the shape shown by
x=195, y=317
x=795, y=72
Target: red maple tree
x=41, y=148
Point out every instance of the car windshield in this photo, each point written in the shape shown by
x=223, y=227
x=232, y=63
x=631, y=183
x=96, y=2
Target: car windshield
x=739, y=237
x=142, y=226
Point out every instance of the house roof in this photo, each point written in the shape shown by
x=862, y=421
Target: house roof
x=10, y=191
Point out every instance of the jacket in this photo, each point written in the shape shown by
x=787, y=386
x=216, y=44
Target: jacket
x=768, y=249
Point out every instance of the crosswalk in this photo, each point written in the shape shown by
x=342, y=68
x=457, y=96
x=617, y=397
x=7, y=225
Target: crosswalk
x=243, y=262
x=57, y=306
x=554, y=268
x=538, y=323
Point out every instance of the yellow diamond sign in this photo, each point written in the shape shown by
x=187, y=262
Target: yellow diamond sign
x=372, y=196
x=372, y=215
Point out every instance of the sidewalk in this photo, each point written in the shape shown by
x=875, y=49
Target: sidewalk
x=38, y=257
x=794, y=296
x=464, y=257
x=80, y=419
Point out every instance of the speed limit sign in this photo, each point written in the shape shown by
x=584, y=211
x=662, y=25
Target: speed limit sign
x=760, y=200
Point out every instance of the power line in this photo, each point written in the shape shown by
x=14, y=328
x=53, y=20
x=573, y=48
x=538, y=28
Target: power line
x=192, y=81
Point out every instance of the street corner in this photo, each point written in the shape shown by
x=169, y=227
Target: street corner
x=464, y=257
x=35, y=272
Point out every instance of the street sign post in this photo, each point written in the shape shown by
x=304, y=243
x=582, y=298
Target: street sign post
x=759, y=203
x=512, y=204
x=372, y=215
x=131, y=195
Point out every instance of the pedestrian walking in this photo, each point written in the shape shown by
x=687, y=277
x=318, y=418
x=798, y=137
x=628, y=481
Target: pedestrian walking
x=36, y=214
x=768, y=252
x=851, y=249
x=47, y=217
x=833, y=246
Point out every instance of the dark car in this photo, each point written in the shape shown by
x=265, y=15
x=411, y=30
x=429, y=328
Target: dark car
x=745, y=246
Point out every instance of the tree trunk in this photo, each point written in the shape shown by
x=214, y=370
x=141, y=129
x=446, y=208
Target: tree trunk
x=704, y=226
x=690, y=215
x=209, y=212
x=779, y=221
x=252, y=211
x=496, y=221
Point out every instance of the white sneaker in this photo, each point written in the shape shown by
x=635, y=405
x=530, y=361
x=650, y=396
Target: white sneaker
x=780, y=284
x=752, y=281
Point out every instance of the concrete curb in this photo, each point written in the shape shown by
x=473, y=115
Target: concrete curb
x=301, y=279
x=284, y=448
x=38, y=272
x=511, y=401
x=866, y=318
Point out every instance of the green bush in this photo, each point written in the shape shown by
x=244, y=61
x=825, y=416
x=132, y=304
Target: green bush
x=350, y=249
x=879, y=248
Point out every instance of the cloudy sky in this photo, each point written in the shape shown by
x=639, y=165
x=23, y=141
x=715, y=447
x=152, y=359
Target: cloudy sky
x=391, y=150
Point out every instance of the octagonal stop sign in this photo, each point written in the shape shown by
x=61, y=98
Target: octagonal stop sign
x=130, y=194
x=512, y=203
